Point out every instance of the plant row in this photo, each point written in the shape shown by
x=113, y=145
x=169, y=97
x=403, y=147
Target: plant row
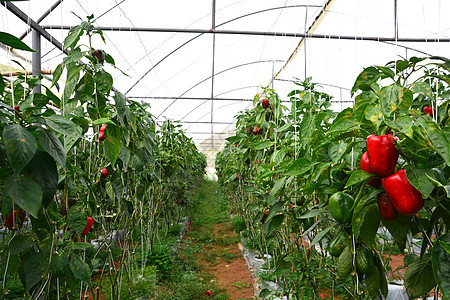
x=84, y=171
x=340, y=191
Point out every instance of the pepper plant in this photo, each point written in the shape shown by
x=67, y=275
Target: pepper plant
x=331, y=180
x=83, y=155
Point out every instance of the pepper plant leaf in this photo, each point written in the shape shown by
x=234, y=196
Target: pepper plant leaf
x=13, y=42
x=80, y=269
x=419, y=277
x=437, y=137
x=42, y=169
x=357, y=177
x=50, y=142
x=441, y=264
x=20, y=146
x=63, y=125
x=26, y=193
x=418, y=177
x=112, y=149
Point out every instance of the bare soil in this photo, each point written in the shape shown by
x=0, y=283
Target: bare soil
x=229, y=267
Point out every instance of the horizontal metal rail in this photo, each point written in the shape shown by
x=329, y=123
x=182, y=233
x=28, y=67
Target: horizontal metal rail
x=188, y=98
x=205, y=122
x=263, y=33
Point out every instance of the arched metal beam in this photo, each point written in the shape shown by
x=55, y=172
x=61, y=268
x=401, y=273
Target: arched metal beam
x=220, y=72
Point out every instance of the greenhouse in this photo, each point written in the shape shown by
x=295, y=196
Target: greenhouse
x=239, y=149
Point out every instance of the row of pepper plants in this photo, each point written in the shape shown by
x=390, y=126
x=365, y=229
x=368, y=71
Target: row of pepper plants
x=87, y=157
x=315, y=186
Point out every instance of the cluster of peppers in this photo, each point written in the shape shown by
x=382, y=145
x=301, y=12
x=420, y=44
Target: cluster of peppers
x=400, y=197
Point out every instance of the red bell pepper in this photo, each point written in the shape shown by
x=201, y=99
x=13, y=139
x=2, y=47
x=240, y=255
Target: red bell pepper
x=104, y=173
x=428, y=110
x=387, y=210
x=265, y=103
x=405, y=198
x=365, y=166
x=382, y=154
x=266, y=213
x=101, y=134
x=12, y=219
x=88, y=226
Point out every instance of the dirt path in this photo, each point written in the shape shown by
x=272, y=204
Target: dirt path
x=230, y=267
x=212, y=233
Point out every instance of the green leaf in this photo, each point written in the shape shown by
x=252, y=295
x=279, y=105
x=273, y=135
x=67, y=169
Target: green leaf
x=77, y=219
x=109, y=190
x=337, y=150
x=112, y=149
x=50, y=142
x=419, y=179
x=60, y=261
x=273, y=224
x=73, y=74
x=117, y=184
x=42, y=169
x=320, y=236
x=26, y=193
x=399, y=230
x=20, y=243
x=122, y=109
x=419, y=277
x=366, y=224
x=263, y=145
x=104, y=82
x=13, y=42
x=446, y=246
x=357, y=177
x=33, y=269
x=82, y=246
x=69, y=142
x=278, y=156
x=441, y=264
x=423, y=88
x=20, y=146
x=80, y=269
x=62, y=125
x=437, y=137
x=374, y=114
x=103, y=121
x=390, y=98
x=277, y=186
x=311, y=214
x=57, y=74
x=275, y=209
x=300, y=167
x=74, y=35
x=342, y=125
x=125, y=155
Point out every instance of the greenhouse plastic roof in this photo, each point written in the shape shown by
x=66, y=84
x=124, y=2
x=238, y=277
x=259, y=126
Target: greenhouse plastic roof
x=203, y=78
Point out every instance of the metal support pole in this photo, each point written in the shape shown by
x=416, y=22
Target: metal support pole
x=36, y=57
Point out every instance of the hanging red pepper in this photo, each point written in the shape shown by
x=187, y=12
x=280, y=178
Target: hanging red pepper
x=365, y=166
x=12, y=219
x=90, y=221
x=387, y=210
x=104, y=173
x=382, y=154
x=428, y=110
x=255, y=130
x=405, y=198
x=101, y=134
x=265, y=103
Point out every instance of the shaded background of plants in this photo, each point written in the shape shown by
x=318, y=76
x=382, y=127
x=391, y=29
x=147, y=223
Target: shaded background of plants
x=51, y=158
x=279, y=178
